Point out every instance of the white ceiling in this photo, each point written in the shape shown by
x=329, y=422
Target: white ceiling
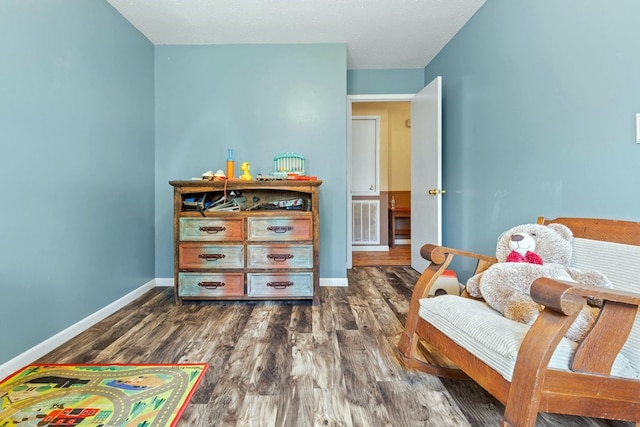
x=378, y=33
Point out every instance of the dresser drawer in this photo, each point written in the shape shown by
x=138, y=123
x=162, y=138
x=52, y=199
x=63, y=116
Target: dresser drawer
x=280, y=256
x=211, y=229
x=210, y=285
x=279, y=229
x=280, y=285
x=211, y=256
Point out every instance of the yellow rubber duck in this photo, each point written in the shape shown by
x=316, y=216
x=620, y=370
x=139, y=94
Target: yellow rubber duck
x=246, y=176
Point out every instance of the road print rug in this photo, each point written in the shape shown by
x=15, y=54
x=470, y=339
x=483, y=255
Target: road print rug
x=98, y=395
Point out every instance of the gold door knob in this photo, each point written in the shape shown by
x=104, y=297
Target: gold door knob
x=434, y=192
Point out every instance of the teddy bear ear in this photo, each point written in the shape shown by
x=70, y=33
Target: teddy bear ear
x=562, y=230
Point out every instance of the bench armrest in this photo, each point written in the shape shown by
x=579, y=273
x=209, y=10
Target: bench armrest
x=438, y=254
x=597, y=352
x=568, y=297
x=440, y=258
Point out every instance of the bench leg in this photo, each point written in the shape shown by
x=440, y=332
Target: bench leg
x=522, y=405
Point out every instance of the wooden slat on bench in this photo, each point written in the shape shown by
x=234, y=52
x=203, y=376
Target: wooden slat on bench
x=598, y=229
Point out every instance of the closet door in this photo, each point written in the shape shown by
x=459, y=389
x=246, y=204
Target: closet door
x=365, y=156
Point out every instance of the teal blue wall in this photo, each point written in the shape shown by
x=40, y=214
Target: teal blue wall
x=76, y=165
x=260, y=100
x=384, y=82
x=540, y=103
x=540, y=98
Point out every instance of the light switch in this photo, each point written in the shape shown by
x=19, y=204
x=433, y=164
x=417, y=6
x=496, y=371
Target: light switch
x=638, y=128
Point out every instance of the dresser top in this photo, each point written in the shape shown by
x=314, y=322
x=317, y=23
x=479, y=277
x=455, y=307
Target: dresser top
x=238, y=184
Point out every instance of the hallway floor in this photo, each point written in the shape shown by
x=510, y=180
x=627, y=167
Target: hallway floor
x=398, y=255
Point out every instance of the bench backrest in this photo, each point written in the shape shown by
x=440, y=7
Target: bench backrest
x=613, y=248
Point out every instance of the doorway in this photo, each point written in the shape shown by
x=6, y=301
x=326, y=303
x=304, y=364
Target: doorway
x=425, y=163
x=381, y=106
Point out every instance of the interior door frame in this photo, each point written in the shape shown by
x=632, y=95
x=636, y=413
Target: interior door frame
x=350, y=100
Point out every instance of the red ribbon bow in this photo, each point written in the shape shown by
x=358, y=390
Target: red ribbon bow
x=530, y=257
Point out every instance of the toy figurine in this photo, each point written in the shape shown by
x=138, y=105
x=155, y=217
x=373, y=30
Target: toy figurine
x=246, y=176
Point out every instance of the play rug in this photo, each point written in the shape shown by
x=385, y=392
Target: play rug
x=98, y=395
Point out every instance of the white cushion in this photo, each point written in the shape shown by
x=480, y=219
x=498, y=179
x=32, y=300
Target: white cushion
x=493, y=338
x=620, y=264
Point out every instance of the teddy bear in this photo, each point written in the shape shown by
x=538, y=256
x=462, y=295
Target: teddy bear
x=525, y=253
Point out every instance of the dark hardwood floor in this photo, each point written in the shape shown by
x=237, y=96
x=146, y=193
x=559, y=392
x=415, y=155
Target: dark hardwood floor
x=292, y=363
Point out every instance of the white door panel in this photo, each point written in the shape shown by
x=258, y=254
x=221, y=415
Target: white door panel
x=365, y=157
x=426, y=170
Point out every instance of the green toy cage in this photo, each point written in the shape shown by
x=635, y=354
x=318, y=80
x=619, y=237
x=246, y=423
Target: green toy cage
x=288, y=163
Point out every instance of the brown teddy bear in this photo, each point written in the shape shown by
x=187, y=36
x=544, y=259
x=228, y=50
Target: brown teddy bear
x=525, y=253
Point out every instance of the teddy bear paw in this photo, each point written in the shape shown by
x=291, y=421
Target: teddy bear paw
x=523, y=312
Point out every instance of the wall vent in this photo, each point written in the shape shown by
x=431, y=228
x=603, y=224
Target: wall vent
x=365, y=224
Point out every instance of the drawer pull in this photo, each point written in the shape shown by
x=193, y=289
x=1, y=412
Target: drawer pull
x=211, y=257
x=212, y=285
x=279, y=285
x=279, y=257
x=213, y=230
x=280, y=228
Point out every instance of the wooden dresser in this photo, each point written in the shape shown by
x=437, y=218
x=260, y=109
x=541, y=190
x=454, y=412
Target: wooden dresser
x=246, y=240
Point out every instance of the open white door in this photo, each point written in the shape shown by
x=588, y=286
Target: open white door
x=426, y=171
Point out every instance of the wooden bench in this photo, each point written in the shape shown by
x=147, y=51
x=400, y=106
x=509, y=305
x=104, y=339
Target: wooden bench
x=456, y=337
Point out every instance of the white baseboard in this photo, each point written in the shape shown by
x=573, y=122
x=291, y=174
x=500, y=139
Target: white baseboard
x=165, y=282
x=51, y=343
x=337, y=282
x=370, y=248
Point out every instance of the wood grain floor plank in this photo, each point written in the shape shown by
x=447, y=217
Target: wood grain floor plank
x=129, y=348
x=217, y=357
x=272, y=355
x=389, y=324
x=259, y=411
x=301, y=318
x=369, y=412
x=343, y=316
x=214, y=321
x=297, y=410
x=302, y=362
x=331, y=408
x=429, y=407
x=360, y=368
x=322, y=321
x=381, y=356
x=227, y=397
x=327, y=372
x=193, y=416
